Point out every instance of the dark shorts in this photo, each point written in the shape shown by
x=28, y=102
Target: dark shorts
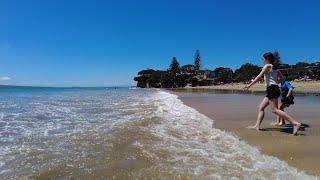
x=273, y=92
x=287, y=100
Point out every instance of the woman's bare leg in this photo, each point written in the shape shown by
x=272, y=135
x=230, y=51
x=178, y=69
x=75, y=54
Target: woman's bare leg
x=274, y=108
x=281, y=120
x=264, y=103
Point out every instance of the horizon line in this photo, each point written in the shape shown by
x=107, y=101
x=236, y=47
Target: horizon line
x=39, y=86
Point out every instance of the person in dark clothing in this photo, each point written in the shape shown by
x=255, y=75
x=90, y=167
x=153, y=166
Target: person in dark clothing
x=272, y=77
x=286, y=99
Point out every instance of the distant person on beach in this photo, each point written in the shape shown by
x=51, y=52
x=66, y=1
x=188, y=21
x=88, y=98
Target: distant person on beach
x=286, y=99
x=272, y=77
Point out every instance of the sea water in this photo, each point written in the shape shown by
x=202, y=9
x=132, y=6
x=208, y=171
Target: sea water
x=120, y=133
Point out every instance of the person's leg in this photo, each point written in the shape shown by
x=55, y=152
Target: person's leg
x=281, y=120
x=274, y=108
x=278, y=121
x=264, y=103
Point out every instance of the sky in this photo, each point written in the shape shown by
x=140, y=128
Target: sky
x=106, y=42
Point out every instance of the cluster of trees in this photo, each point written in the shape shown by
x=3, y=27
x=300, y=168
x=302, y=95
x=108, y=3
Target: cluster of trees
x=246, y=72
x=175, y=76
x=302, y=69
x=179, y=76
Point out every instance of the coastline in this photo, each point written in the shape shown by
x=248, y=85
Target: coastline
x=301, y=88
x=229, y=114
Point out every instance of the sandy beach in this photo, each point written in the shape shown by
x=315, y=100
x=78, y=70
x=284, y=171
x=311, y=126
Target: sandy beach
x=234, y=112
x=309, y=87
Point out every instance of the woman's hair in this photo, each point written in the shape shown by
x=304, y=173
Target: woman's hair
x=273, y=58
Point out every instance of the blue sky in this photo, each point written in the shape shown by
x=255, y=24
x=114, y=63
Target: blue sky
x=105, y=43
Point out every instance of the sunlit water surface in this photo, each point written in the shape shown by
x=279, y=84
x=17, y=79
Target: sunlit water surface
x=120, y=133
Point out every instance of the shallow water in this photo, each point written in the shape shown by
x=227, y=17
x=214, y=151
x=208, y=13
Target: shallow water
x=120, y=133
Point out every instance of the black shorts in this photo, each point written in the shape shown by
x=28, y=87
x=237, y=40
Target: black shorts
x=287, y=100
x=273, y=92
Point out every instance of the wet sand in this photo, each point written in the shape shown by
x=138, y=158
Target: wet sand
x=234, y=112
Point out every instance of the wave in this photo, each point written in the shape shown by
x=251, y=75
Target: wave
x=201, y=151
x=123, y=134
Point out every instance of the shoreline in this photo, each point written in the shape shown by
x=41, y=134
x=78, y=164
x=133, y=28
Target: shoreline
x=225, y=109
x=301, y=88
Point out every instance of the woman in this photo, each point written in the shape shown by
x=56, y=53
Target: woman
x=272, y=77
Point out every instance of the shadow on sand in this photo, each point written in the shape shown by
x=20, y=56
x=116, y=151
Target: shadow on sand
x=287, y=128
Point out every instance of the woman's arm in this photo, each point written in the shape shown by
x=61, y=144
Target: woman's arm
x=264, y=70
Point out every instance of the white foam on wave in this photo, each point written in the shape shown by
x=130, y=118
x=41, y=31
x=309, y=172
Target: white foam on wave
x=198, y=149
x=1, y=116
x=66, y=127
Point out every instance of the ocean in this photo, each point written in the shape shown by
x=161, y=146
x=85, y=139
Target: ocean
x=120, y=133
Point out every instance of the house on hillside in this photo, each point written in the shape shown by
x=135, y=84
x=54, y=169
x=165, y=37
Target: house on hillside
x=301, y=69
x=202, y=74
x=188, y=69
x=313, y=69
x=286, y=68
x=205, y=74
x=212, y=75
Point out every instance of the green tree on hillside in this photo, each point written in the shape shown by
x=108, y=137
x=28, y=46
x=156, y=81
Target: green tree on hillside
x=246, y=72
x=300, y=70
x=197, y=61
x=149, y=78
x=223, y=75
x=174, y=67
x=167, y=81
x=173, y=71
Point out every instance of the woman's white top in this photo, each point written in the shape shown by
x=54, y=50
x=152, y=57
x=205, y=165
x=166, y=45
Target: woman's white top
x=271, y=78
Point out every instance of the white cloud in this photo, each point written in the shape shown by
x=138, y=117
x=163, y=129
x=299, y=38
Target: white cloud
x=5, y=78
